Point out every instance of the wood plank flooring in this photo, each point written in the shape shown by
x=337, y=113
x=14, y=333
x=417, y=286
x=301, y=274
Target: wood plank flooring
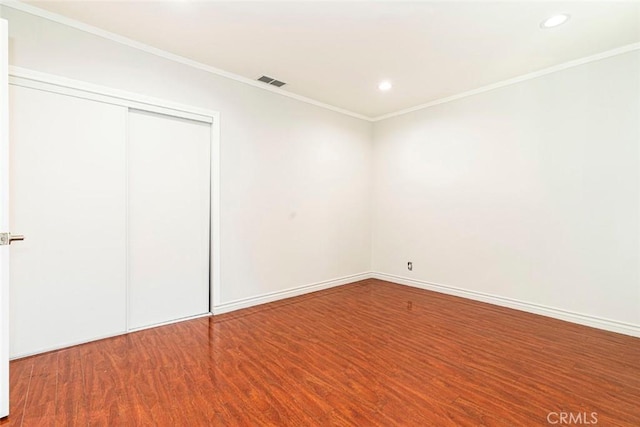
x=367, y=354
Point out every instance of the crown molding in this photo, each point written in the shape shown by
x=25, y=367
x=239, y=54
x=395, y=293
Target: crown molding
x=18, y=5
x=570, y=64
x=54, y=17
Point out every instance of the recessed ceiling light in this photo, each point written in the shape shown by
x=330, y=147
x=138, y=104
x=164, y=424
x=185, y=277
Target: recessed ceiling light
x=384, y=86
x=554, y=21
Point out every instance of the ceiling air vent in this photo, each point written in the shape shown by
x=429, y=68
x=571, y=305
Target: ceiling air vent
x=271, y=81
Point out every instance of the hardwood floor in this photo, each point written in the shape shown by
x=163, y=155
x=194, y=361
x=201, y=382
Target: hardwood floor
x=367, y=354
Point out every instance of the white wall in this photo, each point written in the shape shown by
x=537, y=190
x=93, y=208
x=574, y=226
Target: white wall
x=295, y=178
x=529, y=192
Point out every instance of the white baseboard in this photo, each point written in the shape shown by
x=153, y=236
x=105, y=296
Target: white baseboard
x=581, y=319
x=288, y=293
x=569, y=316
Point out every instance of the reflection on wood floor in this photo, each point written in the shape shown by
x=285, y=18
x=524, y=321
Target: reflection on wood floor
x=367, y=354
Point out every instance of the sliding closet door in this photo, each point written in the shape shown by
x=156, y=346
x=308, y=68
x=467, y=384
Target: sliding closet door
x=168, y=210
x=68, y=197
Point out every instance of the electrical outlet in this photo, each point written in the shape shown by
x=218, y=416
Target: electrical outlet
x=410, y=266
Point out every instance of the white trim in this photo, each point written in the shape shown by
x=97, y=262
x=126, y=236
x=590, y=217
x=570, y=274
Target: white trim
x=556, y=313
x=51, y=83
x=102, y=337
x=508, y=82
x=127, y=267
x=56, y=84
x=288, y=293
x=215, y=247
x=170, y=56
x=4, y=220
x=18, y=5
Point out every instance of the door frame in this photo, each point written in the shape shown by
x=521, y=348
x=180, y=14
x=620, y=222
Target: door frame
x=4, y=218
x=23, y=77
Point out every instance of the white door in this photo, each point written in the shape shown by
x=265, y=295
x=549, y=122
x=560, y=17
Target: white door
x=169, y=217
x=4, y=222
x=68, y=196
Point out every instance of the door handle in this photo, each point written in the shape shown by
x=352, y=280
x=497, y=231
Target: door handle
x=7, y=238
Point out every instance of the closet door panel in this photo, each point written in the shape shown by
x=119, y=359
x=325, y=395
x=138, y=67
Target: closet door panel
x=168, y=207
x=68, y=197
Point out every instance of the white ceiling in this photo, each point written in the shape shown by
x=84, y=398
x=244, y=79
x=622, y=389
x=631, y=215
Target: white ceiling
x=336, y=52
